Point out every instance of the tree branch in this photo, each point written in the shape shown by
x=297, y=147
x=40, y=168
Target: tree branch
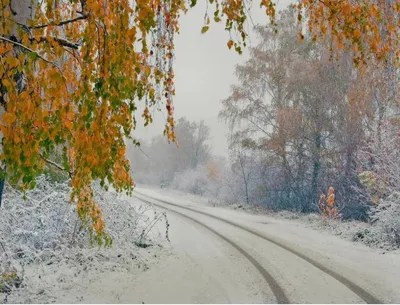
x=63, y=42
x=28, y=49
x=144, y=152
x=56, y=165
x=61, y=23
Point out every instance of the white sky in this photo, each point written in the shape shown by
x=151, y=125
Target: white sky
x=204, y=70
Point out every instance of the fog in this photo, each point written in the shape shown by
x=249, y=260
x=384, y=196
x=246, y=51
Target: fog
x=297, y=136
x=204, y=70
x=296, y=199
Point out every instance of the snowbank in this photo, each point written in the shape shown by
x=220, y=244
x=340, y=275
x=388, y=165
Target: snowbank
x=46, y=256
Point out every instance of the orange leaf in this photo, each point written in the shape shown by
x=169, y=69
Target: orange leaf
x=357, y=34
x=8, y=118
x=68, y=124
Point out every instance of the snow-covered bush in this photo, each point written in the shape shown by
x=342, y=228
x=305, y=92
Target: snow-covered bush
x=222, y=187
x=45, y=221
x=38, y=225
x=43, y=229
x=194, y=181
x=383, y=230
x=379, y=163
x=386, y=217
x=231, y=189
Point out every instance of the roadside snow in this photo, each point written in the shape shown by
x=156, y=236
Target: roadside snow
x=375, y=269
x=353, y=231
x=51, y=260
x=36, y=237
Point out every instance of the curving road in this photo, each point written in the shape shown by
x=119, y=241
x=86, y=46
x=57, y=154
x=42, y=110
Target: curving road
x=221, y=258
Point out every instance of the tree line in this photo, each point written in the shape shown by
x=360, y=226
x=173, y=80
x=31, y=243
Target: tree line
x=310, y=121
x=301, y=121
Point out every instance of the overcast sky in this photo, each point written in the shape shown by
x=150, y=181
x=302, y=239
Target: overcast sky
x=204, y=70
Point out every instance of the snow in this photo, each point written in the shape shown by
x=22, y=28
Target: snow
x=54, y=264
x=36, y=242
x=377, y=236
x=374, y=268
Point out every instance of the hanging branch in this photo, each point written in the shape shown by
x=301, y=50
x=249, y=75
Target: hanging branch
x=28, y=49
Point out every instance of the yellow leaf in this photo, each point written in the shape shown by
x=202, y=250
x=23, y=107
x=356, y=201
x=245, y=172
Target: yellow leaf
x=8, y=118
x=204, y=29
x=6, y=82
x=12, y=62
x=68, y=124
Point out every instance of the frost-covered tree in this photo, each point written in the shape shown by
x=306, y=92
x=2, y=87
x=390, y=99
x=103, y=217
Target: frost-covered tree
x=157, y=162
x=308, y=114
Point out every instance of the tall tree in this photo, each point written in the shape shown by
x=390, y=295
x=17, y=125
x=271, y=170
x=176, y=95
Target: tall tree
x=200, y=150
x=72, y=72
x=163, y=161
x=306, y=113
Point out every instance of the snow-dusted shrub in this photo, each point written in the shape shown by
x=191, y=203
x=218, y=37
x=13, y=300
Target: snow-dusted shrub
x=38, y=225
x=379, y=162
x=45, y=221
x=194, y=181
x=43, y=229
x=384, y=228
x=379, y=175
x=386, y=216
x=231, y=189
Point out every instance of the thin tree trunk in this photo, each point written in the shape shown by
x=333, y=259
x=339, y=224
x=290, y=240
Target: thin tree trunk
x=349, y=164
x=1, y=190
x=316, y=167
x=246, y=182
x=21, y=11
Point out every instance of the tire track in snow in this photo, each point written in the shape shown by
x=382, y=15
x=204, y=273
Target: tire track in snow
x=276, y=289
x=361, y=292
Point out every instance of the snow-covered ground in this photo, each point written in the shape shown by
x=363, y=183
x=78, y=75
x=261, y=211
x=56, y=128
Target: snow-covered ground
x=373, y=268
x=179, y=260
x=88, y=277
x=52, y=261
x=352, y=230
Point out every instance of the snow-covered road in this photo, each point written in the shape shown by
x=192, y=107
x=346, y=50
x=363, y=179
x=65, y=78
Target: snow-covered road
x=225, y=256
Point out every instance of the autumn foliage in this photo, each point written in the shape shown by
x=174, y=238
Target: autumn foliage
x=71, y=77
x=369, y=28
x=72, y=73
x=327, y=203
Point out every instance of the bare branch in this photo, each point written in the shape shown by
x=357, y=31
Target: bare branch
x=56, y=165
x=61, y=23
x=144, y=152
